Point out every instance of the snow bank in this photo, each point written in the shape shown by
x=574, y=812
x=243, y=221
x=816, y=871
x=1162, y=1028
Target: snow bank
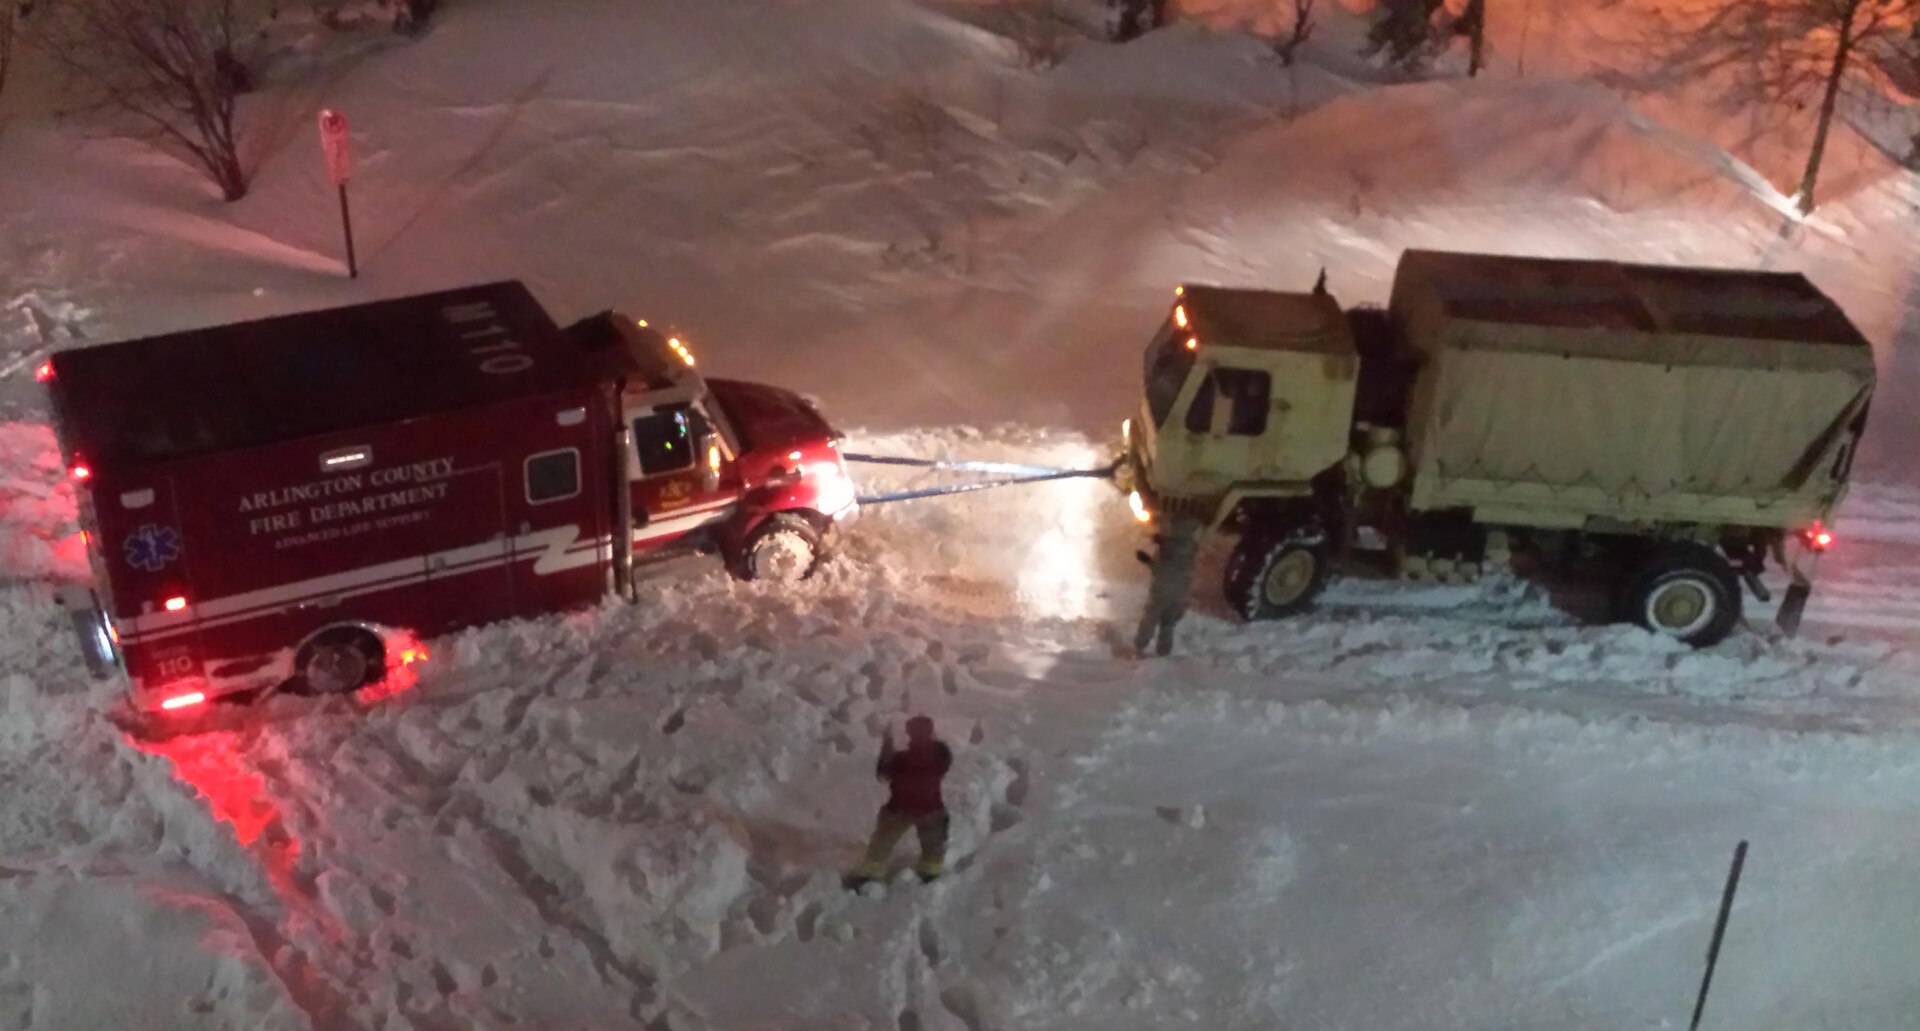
x=39, y=523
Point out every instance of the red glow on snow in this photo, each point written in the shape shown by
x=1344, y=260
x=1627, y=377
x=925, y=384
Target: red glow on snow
x=43, y=373
x=182, y=701
x=218, y=766
x=400, y=679
x=176, y=604
x=213, y=764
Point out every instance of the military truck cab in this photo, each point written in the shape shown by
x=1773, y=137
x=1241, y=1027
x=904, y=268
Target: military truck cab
x=1667, y=429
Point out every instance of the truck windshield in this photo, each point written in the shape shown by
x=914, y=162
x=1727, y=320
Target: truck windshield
x=1168, y=362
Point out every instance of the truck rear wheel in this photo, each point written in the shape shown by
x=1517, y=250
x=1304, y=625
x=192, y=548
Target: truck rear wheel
x=341, y=660
x=1271, y=577
x=784, y=549
x=1687, y=592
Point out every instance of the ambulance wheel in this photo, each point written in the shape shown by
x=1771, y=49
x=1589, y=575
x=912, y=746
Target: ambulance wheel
x=1687, y=592
x=784, y=549
x=1272, y=577
x=341, y=660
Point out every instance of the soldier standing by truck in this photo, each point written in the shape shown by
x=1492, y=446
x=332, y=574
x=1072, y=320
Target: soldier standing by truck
x=1172, y=582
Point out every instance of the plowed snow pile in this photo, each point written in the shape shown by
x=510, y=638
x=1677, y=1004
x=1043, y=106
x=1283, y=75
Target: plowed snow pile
x=1415, y=808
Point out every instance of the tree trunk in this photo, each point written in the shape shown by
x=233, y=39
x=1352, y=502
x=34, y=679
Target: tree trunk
x=1476, y=16
x=9, y=21
x=227, y=173
x=1828, y=102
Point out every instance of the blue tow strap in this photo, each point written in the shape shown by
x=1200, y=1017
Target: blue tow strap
x=1024, y=474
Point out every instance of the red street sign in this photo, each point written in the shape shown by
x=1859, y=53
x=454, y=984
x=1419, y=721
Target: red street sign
x=333, y=140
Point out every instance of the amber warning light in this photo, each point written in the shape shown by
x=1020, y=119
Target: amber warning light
x=680, y=349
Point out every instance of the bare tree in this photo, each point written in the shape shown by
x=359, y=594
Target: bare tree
x=1834, y=33
x=1406, y=31
x=167, y=66
x=1303, y=26
x=1791, y=54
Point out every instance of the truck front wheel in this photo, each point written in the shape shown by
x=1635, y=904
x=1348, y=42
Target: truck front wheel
x=784, y=549
x=1686, y=592
x=1271, y=577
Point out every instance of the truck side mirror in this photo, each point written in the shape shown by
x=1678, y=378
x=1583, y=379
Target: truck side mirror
x=706, y=447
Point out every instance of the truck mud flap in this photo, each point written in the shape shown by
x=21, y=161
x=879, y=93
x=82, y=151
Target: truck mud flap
x=1792, y=607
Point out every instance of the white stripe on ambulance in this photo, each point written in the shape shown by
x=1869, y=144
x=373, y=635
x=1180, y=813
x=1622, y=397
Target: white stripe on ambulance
x=552, y=551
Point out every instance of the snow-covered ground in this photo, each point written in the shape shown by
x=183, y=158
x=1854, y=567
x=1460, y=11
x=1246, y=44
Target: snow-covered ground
x=1416, y=808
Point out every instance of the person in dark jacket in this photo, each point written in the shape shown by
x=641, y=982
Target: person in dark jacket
x=913, y=775
x=1172, y=566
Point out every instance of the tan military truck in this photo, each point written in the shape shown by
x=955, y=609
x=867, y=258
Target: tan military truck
x=1666, y=429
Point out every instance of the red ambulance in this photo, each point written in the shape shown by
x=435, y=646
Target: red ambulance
x=291, y=500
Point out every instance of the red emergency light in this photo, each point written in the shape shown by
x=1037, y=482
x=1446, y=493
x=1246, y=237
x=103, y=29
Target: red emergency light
x=1819, y=538
x=182, y=701
x=43, y=373
x=176, y=604
x=80, y=472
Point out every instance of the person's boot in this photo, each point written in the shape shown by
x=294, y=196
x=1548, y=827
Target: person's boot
x=1165, y=647
x=1142, y=638
x=864, y=874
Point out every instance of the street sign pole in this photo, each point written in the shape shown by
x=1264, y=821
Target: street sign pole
x=346, y=223
x=333, y=143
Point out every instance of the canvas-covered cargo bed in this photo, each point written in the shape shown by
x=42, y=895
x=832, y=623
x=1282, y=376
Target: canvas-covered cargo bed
x=1556, y=391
